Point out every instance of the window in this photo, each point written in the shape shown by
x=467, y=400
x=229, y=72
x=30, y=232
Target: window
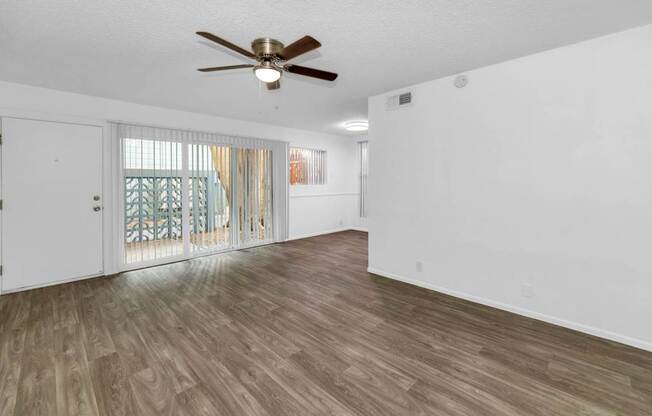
x=364, y=172
x=307, y=166
x=184, y=195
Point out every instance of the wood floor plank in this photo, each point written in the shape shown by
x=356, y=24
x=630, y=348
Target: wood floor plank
x=36, y=393
x=15, y=311
x=267, y=391
x=74, y=387
x=129, y=345
x=301, y=386
x=162, y=350
x=37, y=386
x=195, y=401
x=65, y=310
x=98, y=342
x=299, y=328
x=229, y=395
x=336, y=384
x=12, y=343
x=153, y=393
x=111, y=385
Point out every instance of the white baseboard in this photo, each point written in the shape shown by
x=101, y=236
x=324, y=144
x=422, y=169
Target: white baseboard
x=293, y=196
x=363, y=229
x=601, y=333
x=335, y=230
x=58, y=282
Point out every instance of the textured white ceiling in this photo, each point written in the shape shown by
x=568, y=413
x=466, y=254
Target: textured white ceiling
x=146, y=51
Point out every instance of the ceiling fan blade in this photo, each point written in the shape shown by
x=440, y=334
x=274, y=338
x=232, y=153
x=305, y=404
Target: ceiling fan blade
x=311, y=72
x=299, y=47
x=223, y=68
x=273, y=85
x=227, y=44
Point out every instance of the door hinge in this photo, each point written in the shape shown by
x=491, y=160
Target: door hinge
x=1, y=204
x=0, y=138
x=0, y=270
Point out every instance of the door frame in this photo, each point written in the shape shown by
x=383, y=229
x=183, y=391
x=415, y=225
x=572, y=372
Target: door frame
x=107, y=211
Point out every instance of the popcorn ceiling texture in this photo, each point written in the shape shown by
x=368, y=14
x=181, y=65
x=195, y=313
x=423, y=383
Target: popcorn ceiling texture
x=147, y=52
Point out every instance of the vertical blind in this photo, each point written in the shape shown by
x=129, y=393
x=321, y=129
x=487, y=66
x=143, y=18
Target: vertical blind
x=254, y=195
x=364, y=173
x=185, y=192
x=307, y=166
x=152, y=199
x=210, y=196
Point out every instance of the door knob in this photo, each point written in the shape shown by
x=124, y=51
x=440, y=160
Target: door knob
x=96, y=208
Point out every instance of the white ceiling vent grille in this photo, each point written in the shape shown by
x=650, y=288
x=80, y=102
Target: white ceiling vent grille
x=399, y=100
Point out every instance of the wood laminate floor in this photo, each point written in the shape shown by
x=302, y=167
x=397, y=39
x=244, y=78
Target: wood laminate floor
x=297, y=329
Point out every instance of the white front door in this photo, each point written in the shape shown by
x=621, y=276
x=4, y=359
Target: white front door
x=52, y=200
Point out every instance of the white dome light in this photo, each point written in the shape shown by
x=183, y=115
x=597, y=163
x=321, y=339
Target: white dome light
x=267, y=73
x=357, y=125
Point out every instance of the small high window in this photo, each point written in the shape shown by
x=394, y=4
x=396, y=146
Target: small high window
x=307, y=166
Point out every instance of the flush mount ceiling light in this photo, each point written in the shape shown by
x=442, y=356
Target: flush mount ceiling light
x=357, y=125
x=267, y=72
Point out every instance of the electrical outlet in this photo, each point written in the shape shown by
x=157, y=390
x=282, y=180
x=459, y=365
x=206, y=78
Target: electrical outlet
x=527, y=290
x=419, y=266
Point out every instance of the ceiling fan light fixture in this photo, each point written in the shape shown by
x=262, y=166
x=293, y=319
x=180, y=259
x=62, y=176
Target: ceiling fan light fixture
x=271, y=58
x=356, y=125
x=267, y=72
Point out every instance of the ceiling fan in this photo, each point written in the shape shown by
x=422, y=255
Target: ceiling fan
x=272, y=56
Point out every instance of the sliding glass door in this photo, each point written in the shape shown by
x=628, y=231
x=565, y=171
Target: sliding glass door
x=184, y=196
x=210, y=197
x=152, y=200
x=253, y=187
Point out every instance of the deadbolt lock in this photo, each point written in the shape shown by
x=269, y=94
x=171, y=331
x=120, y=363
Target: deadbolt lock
x=96, y=198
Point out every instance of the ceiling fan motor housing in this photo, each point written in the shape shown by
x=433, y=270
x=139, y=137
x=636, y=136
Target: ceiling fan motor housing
x=267, y=49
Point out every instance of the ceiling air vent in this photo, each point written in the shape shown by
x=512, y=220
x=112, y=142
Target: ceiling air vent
x=399, y=101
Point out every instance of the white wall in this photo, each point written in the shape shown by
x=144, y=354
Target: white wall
x=307, y=216
x=538, y=173
x=315, y=209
